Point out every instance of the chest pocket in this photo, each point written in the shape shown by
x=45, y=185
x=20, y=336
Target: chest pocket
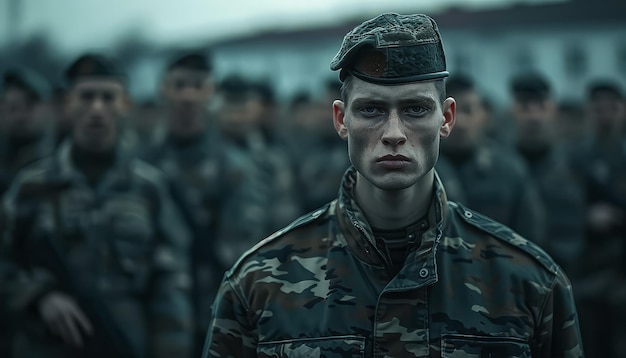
x=129, y=219
x=484, y=347
x=324, y=347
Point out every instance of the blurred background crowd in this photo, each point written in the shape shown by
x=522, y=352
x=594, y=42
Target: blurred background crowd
x=236, y=130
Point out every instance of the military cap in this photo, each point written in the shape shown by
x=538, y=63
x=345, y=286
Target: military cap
x=192, y=61
x=609, y=87
x=28, y=81
x=235, y=88
x=392, y=49
x=93, y=65
x=530, y=86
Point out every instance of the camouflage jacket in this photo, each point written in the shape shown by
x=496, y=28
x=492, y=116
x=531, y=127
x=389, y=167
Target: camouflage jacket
x=12, y=161
x=122, y=241
x=321, y=288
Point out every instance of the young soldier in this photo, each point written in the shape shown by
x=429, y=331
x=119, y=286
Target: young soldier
x=391, y=267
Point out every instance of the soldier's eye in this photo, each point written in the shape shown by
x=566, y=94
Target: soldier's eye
x=416, y=111
x=108, y=96
x=370, y=111
x=87, y=96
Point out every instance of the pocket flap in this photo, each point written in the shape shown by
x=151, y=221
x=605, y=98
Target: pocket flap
x=484, y=347
x=322, y=347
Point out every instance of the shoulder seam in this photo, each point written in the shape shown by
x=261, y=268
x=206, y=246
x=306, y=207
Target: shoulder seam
x=467, y=215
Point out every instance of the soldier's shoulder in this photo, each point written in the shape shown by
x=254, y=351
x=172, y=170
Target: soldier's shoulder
x=502, y=233
x=37, y=171
x=281, y=239
x=147, y=171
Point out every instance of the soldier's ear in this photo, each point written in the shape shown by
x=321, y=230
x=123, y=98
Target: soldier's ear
x=339, y=116
x=449, y=117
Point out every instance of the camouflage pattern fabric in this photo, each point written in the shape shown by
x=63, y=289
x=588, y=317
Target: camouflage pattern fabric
x=321, y=288
x=123, y=240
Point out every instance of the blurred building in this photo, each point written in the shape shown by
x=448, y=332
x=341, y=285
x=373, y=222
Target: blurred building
x=570, y=41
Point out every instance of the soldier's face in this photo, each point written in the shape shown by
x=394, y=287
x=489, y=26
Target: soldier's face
x=535, y=120
x=607, y=113
x=393, y=132
x=471, y=118
x=19, y=114
x=96, y=107
x=186, y=93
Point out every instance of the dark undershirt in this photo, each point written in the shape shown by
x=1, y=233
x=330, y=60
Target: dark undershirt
x=395, y=243
x=92, y=164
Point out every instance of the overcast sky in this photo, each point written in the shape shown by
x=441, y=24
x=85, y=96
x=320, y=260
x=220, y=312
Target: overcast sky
x=74, y=24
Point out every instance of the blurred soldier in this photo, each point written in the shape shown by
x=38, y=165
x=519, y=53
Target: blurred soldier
x=482, y=175
x=319, y=157
x=267, y=200
x=22, y=141
x=536, y=114
x=601, y=162
x=22, y=126
x=147, y=125
x=391, y=268
x=92, y=257
x=192, y=159
x=571, y=122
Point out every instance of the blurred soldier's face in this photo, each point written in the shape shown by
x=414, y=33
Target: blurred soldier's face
x=19, y=113
x=237, y=115
x=607, y=114
x=471, y=118
x=96, y=107
x=393, y=132
x=535, y=121
x=186, y=93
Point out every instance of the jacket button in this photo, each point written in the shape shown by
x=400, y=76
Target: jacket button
x=423, y=272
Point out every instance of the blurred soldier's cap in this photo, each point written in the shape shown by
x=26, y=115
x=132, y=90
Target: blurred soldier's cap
x=234, y=88
x=392, y=49
x=530, y=86
x=93, y=65
x=192, y=61
x=604, y=87
x=37, y=87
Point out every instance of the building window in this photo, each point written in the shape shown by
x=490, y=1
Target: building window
x=523, y=60
x=575, y=61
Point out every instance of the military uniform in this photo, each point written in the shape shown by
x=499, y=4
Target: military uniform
x=603, y=277
x=321, y=287
x=564, y=200
x=12, y=158
x=224, y=195
x=497, y=184
x=121, y=240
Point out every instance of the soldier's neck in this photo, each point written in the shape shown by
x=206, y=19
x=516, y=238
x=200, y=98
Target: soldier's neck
x=93, y=164
x=390, y=210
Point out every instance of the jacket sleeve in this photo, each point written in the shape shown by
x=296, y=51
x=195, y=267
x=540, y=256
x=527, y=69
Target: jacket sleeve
x=230, y=333
x=169, y=307
x=559, y=332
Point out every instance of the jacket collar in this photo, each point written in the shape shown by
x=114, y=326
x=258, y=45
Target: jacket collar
x=358, y=232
